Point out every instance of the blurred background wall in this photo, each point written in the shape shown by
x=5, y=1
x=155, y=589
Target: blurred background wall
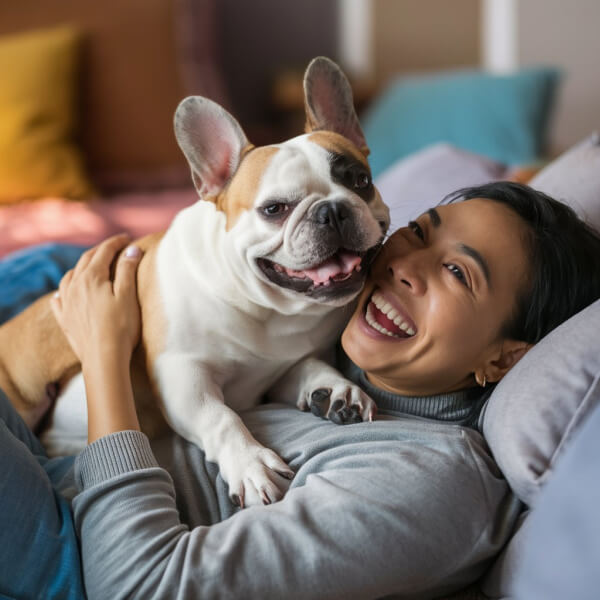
x=250, y=55
x=262, y=38
x=417, y=35
x=565, y=34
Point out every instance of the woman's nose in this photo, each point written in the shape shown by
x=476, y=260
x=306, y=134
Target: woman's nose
x=410, y=271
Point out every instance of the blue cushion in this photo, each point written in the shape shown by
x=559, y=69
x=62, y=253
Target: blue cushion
x=503, y=117
x=27, y=274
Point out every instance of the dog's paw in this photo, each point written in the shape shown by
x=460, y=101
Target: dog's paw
x=258, y=476
x=342, y=403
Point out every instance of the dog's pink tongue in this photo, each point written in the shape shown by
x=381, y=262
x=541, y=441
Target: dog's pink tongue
x=342, y=263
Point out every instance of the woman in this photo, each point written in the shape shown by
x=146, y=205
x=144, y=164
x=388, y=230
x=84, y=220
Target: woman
x=411, y=504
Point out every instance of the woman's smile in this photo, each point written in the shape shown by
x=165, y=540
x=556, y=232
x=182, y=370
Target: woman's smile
x=385, y=317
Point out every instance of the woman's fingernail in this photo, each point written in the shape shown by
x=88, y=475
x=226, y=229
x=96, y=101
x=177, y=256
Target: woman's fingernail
x=132, y=252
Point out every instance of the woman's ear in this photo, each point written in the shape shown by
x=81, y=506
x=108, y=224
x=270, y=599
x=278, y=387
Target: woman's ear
x=511, y=352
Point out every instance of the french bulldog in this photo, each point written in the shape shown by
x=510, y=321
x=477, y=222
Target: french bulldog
x=239, y=294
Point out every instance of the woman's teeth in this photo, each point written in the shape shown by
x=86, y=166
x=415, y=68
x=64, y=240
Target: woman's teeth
x=375, y=325
x=390, y=312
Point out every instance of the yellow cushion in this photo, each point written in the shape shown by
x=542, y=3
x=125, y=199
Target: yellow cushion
x=38, y=116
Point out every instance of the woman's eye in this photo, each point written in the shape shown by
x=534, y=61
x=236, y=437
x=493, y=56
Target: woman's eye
x=276, y=208
x=458, y=273
x=416, y=229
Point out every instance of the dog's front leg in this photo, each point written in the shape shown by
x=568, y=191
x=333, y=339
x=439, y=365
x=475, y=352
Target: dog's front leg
x=194, y=406
x=316, y=386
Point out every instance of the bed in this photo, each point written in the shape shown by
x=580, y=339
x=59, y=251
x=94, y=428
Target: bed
x=536, y=410
x=125, y=173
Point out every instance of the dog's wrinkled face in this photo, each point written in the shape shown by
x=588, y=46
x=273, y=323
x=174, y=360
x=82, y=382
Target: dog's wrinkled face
x=303, y=215
x=316, y=217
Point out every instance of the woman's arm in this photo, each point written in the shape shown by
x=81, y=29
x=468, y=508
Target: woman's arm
x=101, y=319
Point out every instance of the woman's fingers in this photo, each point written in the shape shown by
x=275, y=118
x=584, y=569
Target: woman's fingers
x=56, y=306
x=96, y=260
x=105, y=252
x=65, y=282
x=84, y=260
x=126, y=269
x=56, y=302
x=95, y=312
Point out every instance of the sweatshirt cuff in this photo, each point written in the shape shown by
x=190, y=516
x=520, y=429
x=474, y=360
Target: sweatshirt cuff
x=113, y=455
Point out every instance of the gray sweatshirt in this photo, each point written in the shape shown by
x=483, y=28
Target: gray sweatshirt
x=411, y=505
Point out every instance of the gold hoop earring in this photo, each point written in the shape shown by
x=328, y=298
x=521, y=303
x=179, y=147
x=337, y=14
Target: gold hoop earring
x=481, y=383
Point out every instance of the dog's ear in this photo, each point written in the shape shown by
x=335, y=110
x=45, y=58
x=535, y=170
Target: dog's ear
x=212, y=140
x=329, y=104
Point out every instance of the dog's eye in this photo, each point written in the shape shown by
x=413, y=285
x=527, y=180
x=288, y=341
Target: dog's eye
x=277, y=208
x=362, y=180
x=359, y=180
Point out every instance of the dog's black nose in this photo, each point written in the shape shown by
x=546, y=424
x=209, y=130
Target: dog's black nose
x=333, y=214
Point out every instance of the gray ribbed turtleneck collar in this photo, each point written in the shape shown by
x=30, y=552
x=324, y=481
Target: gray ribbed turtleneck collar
x=459, y=408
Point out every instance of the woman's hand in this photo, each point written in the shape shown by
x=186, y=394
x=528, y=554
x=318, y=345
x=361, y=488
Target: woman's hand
x=101, y=319
x=96, y=314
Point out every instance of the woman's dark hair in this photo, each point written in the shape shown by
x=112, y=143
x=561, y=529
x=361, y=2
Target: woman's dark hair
x=564, y=259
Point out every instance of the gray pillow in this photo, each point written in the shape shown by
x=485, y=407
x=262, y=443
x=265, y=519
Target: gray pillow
x=534, y=410
x=574, y=178
x=422, y=180
x=532, y=414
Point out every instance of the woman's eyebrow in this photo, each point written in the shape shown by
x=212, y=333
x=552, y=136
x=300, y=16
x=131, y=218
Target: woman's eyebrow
x=476, y=256
x=434, y=217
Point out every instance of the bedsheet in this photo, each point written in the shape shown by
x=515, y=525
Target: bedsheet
x=87, y=223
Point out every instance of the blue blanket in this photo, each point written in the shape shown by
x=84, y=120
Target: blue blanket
x=27, y=274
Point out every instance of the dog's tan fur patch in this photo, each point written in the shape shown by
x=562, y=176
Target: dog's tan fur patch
x=240, y=194
x=337, y=143
x=23, y=376
x=154, y=331
x=147, y=284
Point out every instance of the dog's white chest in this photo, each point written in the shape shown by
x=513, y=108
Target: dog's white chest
x=214, y=322
x=245, y=356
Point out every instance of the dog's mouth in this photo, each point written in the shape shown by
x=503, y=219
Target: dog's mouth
x=344, y=272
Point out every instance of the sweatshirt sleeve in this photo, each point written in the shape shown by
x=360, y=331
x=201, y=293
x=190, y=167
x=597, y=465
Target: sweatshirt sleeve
x=348, y=533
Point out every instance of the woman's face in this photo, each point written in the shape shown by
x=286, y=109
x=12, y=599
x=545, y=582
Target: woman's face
x=432, y=311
